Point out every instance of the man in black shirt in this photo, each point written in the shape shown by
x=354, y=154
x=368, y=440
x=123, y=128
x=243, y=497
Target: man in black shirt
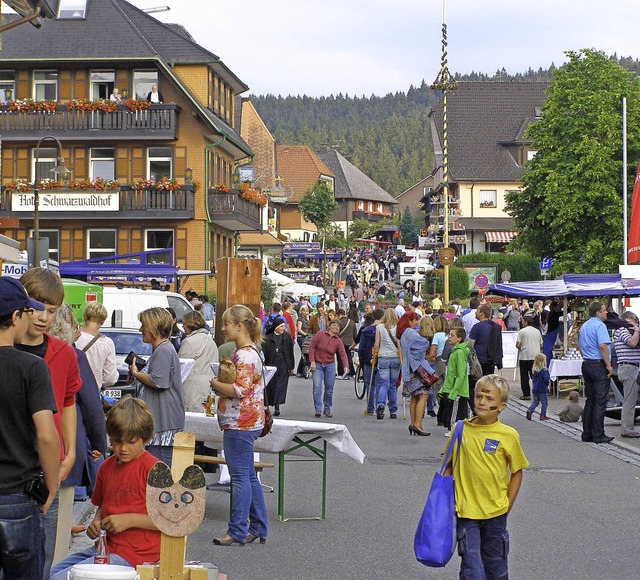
x=29, y=443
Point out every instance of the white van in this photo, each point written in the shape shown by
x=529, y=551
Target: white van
x=407, y=271
x=124, y=304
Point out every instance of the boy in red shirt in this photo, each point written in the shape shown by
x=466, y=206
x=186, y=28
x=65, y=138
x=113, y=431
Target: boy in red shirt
x=120, y=493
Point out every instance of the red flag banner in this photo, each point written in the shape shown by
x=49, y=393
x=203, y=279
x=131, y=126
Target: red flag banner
x=633, y=241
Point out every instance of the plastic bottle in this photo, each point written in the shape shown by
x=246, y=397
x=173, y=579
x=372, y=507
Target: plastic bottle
x=101, y=555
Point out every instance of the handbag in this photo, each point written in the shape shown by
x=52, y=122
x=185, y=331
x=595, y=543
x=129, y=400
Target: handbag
x=268, y=419
x=475, y=369
x=435, y=538
x=428, y=380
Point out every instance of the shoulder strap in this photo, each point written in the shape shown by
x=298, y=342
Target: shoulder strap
x=345, y=327
x=393, y=340
x=91, y=342
x=456, y=438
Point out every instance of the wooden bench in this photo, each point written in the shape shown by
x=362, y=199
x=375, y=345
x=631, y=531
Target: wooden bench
x=258, y=465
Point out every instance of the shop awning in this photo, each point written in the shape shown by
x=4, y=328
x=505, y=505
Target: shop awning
x=499, y=237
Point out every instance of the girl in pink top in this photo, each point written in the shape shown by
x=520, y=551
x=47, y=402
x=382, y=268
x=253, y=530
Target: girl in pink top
x=241, y=418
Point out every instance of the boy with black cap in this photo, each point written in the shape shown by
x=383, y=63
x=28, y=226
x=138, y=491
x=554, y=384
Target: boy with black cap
x=29, y=442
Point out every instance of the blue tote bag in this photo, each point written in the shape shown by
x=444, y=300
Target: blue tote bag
x=435, y=539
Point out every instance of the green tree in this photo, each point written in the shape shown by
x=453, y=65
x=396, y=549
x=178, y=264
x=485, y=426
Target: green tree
x=408, y=229
x=361, y=228
x=570, y=206
x=317, y=205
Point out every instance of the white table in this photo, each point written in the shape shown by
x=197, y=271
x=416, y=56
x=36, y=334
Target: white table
x=287, y=437
x=559, y=368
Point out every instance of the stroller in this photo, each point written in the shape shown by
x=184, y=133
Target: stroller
x=306, y=365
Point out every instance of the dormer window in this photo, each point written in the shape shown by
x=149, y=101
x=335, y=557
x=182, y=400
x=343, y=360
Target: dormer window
x=72, y=9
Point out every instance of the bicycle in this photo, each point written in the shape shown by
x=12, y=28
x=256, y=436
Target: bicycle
x=358, y=382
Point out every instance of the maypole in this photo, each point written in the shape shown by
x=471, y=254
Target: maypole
x=445, y=83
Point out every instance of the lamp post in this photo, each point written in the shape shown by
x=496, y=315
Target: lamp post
x=58, y=169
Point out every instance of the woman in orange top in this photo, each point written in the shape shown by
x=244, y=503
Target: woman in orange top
x=241, y=418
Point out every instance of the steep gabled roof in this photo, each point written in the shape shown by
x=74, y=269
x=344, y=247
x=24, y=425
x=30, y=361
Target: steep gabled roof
x=300, y=169
x=350, y=182
x=483, y=118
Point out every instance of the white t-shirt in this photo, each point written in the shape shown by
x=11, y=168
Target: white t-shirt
x=102, y=358
x=530, y=341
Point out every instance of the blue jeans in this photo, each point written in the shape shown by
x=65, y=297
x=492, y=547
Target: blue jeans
x=162, y=452
x=539, y=398
x=596, y=389
x=21, y=537
x=386, y=379
x=483, y=546
x=372, y=384
x=50, y=534
x=246, y=492
x=59, y=571
x=328, y=373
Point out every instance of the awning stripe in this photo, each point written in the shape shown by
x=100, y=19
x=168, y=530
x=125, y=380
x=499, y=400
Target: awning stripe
x=499, y=237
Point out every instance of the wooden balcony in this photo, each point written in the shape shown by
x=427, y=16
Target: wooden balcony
x=157, y=122
x=230, y=211
x=369, y=216
x=145, y=204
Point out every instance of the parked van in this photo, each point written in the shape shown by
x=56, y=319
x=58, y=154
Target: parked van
x=124, y=304
x=407, y=270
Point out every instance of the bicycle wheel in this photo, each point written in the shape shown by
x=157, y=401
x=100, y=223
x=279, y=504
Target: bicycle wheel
x=358, y=382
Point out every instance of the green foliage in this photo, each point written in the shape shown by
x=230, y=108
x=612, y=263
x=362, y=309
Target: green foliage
x=213, y=298
x=267, y=293
x=570, y=207
x=521, y=267
x=458, y=283
x=361, y=229
x=408, y=230
x=316, y=206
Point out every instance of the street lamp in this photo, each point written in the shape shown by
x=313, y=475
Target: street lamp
x=59, y=169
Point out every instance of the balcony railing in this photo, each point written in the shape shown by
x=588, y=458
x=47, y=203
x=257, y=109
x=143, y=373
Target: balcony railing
x=157, y=122
x=369, y=216
x=132, y=204
x=230, y=211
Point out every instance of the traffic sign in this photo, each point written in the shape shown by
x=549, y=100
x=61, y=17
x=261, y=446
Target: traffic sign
x=482, y=281
x=546, y=263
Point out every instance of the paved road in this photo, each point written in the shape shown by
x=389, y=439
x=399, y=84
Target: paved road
x=574, y=518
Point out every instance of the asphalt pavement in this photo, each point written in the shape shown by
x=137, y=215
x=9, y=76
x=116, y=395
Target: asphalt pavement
x=574, y=517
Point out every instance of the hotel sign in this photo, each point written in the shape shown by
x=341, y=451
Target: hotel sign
x=66, y=201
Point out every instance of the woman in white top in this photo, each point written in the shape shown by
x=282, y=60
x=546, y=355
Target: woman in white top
x=115, y=96
x=388, y=365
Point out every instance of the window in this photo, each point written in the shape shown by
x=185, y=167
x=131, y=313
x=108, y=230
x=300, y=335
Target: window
x=72, y=9
x=143, y=80
x=159, y=163
x=7, y=85
x=360, y=206
x=101, y=243
x=426, y=190
x=47, y=159
x=179, y=305
x=45, y=85
x=370, y=206
x=102, y=163
x=102, y=83
x=488, y=198
x=379, y=207
x=245, y=174
x=159, y=240
x=54, y=242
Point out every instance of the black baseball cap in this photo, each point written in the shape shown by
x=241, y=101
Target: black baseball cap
x=14, y=297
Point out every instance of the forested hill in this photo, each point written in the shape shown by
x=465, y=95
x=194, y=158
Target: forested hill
x=388, y=138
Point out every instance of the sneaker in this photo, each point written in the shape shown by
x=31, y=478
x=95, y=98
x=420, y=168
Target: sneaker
x=431, y=413
x=380, y=412
x=317, y=414
x=545, y=418
x=528, y=415
x=525, y=398
x=447, y=434
x=393, y=416
x=327, y=413
x=345, y=377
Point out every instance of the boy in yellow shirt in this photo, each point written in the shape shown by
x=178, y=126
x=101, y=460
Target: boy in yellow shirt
x=487, y=478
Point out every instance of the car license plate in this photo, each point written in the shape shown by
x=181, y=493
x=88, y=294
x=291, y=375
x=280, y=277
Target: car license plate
x=113, y=393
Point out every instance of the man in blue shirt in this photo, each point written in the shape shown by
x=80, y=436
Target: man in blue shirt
x=594, y=344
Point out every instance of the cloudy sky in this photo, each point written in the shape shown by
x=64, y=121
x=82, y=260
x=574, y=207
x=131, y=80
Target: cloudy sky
x=323, y=47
